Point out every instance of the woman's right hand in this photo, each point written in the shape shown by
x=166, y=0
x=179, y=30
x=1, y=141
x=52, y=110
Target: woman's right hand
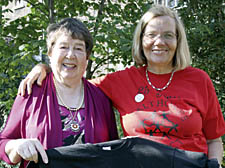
x=37, y=73
x=26, y=149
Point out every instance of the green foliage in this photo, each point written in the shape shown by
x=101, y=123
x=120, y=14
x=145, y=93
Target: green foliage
x=112, y=24
x=204, y=22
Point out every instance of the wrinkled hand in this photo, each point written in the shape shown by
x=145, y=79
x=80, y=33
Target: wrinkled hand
x=27, y=149
x=37, y=73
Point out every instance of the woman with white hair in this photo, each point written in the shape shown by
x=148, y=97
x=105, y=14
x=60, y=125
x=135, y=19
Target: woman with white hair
x=66, y=109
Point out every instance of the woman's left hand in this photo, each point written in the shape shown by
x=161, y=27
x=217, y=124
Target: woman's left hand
x=215, y=149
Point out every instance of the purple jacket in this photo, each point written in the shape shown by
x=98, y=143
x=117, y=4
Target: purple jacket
x=37, y=116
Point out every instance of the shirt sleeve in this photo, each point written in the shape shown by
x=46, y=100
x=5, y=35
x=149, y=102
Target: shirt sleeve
x=213, y=123
x=104, y=83
x=12, y=127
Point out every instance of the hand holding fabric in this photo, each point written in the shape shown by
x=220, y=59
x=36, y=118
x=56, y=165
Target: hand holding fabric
x=26, y=149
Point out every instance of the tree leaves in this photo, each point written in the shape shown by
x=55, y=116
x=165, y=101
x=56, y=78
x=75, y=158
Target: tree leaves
x=204, y=22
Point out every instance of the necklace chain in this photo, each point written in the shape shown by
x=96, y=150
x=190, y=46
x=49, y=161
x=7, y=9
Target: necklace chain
x=64, y=104
x=159, y=89
x=74, y=124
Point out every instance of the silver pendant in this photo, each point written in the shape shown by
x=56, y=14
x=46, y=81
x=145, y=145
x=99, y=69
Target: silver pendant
x=75, y=126
x=139, y=97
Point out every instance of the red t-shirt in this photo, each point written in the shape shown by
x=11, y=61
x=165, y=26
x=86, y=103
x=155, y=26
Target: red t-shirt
x=184, y=115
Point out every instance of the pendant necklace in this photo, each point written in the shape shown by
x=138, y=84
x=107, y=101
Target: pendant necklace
x=159, y=89
x=74, y=125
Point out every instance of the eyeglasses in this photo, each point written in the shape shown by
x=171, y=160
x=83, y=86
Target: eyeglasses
x=165, y=36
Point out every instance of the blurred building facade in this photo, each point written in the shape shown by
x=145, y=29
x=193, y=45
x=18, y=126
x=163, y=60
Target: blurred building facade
x=169, y=3
x=18, y=9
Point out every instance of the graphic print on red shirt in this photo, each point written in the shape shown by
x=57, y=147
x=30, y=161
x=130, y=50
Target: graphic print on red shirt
x=184, y=115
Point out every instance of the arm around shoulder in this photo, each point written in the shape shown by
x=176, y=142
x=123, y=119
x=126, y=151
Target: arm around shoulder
x=38, y=73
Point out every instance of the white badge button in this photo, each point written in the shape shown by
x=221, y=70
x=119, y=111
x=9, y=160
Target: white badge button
x=139, y=97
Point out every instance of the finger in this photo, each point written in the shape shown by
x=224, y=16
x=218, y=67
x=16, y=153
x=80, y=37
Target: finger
x=41, y=78
x=24, y=152
x=42, y=152
x=30, y=82
x=21, y=89
x=34, y=154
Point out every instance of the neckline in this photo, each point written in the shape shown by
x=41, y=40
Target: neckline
x=155, y=74
x=159, y=88
x=118, y=145
x=143, y=70
x=63, y=108
x=60, y=99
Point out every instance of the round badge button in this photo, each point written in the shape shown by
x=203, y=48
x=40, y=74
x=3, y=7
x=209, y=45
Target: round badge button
x=139, y=97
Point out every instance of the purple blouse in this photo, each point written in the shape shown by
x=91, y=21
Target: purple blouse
x=72, y=137
x=37, y=116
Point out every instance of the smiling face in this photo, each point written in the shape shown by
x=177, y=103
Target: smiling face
x=159, y=43
x=68, y=59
